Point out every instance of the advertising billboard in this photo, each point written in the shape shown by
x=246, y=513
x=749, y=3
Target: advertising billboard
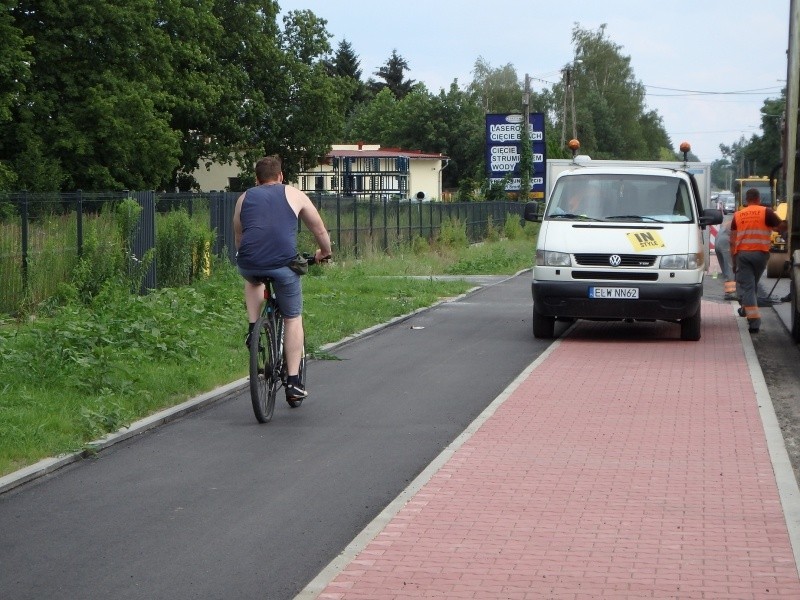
x=503, y=150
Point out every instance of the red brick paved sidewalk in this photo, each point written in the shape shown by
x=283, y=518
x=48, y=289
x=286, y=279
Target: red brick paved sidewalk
x=627, y=464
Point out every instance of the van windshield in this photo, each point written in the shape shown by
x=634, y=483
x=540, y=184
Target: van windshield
x=621, y=198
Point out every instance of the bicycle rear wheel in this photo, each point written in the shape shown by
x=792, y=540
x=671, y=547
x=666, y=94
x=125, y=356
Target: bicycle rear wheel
x=263, y=368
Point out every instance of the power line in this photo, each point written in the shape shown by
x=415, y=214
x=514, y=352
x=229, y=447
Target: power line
x=714, y=93
x=681, y=93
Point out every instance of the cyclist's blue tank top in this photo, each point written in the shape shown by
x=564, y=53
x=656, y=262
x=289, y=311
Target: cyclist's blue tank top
x=269, y=229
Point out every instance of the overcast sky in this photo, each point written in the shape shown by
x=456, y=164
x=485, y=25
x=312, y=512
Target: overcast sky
x=724, y=48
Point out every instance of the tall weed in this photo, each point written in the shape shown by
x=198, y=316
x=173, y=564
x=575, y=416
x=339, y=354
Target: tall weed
x=453, y=234
x=174, y=249
x=512, y=227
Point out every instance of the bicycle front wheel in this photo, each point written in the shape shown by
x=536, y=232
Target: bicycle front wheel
x=263, y=368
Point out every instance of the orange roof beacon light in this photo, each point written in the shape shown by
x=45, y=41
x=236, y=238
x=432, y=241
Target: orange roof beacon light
x=574, y=145
x=685, y=147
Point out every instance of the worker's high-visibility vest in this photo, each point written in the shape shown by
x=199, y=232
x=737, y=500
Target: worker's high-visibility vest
x=752, y=232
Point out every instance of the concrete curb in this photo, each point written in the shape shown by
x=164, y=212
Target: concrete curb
x=788, y=489
x=49, y=465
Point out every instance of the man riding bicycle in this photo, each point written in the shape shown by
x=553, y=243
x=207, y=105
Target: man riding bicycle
x=265, y=236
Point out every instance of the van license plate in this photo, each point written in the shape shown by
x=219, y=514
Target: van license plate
x=616, y=293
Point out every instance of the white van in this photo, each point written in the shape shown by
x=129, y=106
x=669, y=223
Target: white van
x=620, y=243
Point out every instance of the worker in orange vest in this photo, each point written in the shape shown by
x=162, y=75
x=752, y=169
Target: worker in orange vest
x=751, y=229
x=722, y=248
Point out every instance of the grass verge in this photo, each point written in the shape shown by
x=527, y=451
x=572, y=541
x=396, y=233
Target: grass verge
x=79, y=372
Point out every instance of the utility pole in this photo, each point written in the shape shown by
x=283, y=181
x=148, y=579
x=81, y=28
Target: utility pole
x=569, y=99
x=565, y=74
x=572, y=102
x=525, y=152
x=526, y=98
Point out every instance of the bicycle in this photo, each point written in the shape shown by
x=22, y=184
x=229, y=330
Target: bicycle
x=267, y=361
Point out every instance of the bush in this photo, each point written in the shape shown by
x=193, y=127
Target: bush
x=420, y=245
x=512, y=227
x=102, y=261
x=531, y=230
x=174, y=249
x=182, y=249
x=492, y=231
x=453, y=234
x=466, y=190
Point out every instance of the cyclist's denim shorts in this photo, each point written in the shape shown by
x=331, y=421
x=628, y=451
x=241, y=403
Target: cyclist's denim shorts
x=286, y=283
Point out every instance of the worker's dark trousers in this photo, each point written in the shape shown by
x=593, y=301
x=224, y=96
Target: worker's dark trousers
x=749, y=268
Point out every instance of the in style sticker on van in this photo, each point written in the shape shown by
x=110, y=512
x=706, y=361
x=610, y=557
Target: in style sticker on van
x=645, y=240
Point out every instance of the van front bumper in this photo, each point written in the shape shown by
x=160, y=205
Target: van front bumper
x=656, y=301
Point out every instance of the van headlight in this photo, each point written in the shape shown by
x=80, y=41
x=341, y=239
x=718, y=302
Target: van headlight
x=547, y=258
x=682, y=261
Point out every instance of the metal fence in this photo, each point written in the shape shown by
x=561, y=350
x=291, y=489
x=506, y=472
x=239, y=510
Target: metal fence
x=42, y=236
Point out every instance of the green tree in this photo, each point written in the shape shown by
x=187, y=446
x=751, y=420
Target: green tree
x=305, y=37
x=207, y=84
x=655, y=137
x=392, y=75
x=15, y=59
x=347, y=67
x=761, y=153
x=415, y=123
x=612, y=121
x=758, y=155
x=450, y=123
x=462, y=127
x=721, y=174
x=93, y=109
x=735, y=154
x=765, y=150
x=297, y=108
x=497, y=90
x=372, y=122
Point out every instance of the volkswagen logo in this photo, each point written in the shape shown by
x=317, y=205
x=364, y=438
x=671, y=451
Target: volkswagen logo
x=614, y=260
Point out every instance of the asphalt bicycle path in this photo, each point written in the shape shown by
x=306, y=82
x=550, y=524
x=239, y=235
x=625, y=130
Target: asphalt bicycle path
x=213, y=505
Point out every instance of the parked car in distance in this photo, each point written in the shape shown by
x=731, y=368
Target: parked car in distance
x=728, y=200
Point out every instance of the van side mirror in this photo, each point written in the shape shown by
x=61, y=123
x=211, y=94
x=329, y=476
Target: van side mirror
x=710, y=216
x=531, y=211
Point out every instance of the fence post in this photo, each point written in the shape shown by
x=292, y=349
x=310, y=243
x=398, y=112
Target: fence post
x=215, y=221
x=339, y=222
x=79, y=222
x=355, y=225
x=410, y=221
x=385, y=201
x=145, y=237
x=371, y=216
x=24, y=216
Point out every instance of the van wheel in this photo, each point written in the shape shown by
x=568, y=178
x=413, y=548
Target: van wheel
x=543, y=327
x=690, y=328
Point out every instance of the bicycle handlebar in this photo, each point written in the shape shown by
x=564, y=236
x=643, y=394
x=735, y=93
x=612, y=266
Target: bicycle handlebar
x=312, y=258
